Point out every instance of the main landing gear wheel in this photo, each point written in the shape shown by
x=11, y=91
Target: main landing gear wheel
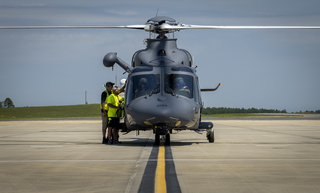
x=210, y=137
x=157, y=139
x=167, y=139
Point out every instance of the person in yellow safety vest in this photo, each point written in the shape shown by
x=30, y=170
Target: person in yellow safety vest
x=104, y=108
x=114, y=101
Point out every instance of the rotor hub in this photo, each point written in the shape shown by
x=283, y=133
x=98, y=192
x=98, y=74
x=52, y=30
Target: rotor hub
x=161, y=25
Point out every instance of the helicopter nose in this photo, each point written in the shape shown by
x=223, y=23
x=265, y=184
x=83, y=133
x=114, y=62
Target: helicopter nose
x=171, y=110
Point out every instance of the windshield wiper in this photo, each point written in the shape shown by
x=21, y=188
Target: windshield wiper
x=167, y=87
x=155, y=88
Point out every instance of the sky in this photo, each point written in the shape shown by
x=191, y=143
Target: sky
x=260, y=68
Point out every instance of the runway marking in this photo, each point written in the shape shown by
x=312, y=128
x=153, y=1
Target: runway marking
x=49, y=161
x=171, y=175
x=148, y=178
x=235, y=160
x=46, y=146
x=271, y=145
x=159, y=174
x=154, y=161
x=5, y=126
x=160, y=179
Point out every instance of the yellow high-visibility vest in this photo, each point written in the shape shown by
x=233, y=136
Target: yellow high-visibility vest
x=105, y=102
x=114, y=100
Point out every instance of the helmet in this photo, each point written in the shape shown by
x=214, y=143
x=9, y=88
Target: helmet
x=178, y=80
x=143, y=81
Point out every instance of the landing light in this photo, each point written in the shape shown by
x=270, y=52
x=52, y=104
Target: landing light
x=177, y=123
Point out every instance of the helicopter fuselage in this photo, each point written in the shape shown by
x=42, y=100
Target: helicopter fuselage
x=162, y=88
x=159, y=102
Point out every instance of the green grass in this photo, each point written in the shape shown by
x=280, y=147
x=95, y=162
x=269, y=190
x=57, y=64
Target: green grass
x=248, y=115
x=91, y=110
x=74, y=111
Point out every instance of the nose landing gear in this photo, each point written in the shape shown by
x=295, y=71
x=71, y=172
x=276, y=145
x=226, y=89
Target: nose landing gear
x=165, y=138
x=162, y=131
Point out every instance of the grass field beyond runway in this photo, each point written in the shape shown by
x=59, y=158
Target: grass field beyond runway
x=90, y=110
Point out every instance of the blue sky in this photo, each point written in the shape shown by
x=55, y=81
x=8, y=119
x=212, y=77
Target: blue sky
x=261, y=68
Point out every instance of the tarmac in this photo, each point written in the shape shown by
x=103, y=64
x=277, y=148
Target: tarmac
x=248, y=155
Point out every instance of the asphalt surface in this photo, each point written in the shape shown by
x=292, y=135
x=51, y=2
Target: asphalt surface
x=247, y=156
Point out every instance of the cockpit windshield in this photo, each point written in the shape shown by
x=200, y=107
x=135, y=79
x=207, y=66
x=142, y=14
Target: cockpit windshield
x=142, y=85
x=180, y=84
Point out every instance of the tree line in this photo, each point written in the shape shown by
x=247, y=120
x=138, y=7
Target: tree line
x=225, y=110
x=7, y=103
x=317, y=111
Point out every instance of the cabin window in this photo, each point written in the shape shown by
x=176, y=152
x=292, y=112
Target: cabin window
x=180, y=84
x=142, y=85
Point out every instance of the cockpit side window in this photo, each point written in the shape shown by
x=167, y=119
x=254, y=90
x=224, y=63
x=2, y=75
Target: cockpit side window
x=142, y=85
x=180, y=84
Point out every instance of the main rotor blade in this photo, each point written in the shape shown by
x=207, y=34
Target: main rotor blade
x=183, y=26
x=72, y=27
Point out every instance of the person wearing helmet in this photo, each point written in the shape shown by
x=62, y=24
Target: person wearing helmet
x=143, y=88
x=179, y=87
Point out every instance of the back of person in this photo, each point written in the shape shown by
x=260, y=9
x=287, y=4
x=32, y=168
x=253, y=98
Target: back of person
x=104, y=110
x=114, y=106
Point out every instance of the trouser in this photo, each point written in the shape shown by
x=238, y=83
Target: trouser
x=104, y=121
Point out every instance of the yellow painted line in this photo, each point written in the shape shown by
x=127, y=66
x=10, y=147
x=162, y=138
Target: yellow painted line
x=160, y=181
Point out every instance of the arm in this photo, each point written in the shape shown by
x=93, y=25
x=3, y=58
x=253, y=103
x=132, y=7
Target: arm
x=124, y=86
x=110, y=102
x=112, y=106
x=103, y=107
x=103, y=99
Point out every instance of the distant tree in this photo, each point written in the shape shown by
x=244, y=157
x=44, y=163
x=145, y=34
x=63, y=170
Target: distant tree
x=225, y=110
x=8, y=103
x=0, y=104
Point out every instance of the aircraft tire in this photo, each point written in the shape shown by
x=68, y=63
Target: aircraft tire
x=211, y=137
x=157, y=139
x=167, y=139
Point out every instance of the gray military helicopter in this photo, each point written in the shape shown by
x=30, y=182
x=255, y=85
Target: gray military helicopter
x=162, y=91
